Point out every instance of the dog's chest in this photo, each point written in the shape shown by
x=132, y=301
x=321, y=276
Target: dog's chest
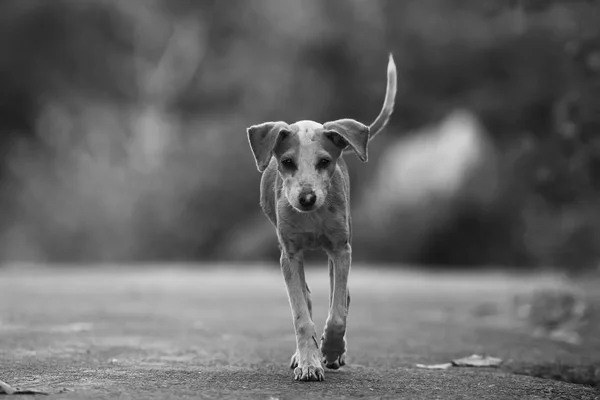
x=312, y=230
x=309, y=231
x=311, y=241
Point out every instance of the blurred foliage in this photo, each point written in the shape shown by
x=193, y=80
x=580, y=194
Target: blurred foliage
x=122, y=123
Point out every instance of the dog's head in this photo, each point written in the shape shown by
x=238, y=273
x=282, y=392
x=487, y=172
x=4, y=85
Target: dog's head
x=306, y=153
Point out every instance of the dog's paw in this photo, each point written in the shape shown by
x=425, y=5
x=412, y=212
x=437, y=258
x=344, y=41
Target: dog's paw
x=340, y=361
x=333, y=347
x=307, y=367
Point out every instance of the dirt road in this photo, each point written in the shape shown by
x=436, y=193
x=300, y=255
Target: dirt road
x=178, y=332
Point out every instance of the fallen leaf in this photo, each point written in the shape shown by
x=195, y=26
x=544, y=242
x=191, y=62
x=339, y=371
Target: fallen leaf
x=435, y=366
x=5, y=388
x=476, y=360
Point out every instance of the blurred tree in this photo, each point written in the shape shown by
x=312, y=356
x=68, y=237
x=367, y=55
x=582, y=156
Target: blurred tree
x=122, y=122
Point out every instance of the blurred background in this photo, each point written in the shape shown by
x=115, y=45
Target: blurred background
x=122, y=127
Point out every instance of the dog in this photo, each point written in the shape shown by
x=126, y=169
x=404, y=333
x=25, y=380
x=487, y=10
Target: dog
x=305, y=193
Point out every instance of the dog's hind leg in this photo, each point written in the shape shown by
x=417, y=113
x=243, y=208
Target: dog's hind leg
x=333, y=341
x=306, y=362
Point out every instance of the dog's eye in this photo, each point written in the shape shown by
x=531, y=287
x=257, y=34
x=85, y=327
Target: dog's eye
x=324, y=163
x=287, y=162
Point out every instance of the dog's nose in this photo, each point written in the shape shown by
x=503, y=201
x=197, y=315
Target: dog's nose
x=307, y=199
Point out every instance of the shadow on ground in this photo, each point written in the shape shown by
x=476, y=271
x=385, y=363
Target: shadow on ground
x=153, y=333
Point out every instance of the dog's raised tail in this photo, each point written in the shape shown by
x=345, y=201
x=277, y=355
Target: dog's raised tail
x=388, y=104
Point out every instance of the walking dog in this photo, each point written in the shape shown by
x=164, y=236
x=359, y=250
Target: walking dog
x=305, y=193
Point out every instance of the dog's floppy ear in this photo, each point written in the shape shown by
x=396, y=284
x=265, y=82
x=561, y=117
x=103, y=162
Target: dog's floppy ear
x=352, y=132
x=263, y=138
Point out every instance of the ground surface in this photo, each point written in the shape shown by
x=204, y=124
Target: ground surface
x=152, y=333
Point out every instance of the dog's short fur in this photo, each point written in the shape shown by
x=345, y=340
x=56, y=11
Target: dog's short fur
x=305, y=192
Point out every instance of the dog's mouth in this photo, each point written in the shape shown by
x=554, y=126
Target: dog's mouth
x=305, y=209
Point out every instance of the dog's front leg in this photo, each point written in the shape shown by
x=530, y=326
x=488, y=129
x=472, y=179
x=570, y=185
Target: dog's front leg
x=306, y=362
x=333, y=341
